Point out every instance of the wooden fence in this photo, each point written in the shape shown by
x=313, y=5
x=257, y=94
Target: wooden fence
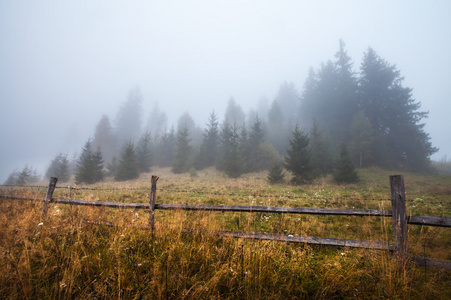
x=398, y=214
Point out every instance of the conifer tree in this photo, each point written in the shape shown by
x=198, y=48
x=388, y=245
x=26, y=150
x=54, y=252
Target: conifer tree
x=105, y=139
x=394, y=116
x=129, y=117
x=257, y=157
x=231, y=161
x=112, y=166
x=89, y=165
x=320, y=156
x=26, y=176
x=298, y=159
x=128, y=165
x=59, y=167
x=182, y=161
x=244, y=148
x=234, y=113
x=98, y=164
x=143, y=152
x=361, y=139
x=209, y=148
x=165, y=149
x=275, y=173
x=345, y=171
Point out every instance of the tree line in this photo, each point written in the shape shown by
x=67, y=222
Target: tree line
x=341, y=119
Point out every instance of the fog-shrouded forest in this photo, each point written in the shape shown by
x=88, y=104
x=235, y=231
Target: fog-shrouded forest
x=95, y=91
x=344, y=117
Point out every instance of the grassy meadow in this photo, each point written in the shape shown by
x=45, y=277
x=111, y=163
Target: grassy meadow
x=65, y=255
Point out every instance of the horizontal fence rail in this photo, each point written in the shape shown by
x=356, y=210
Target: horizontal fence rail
x=414, y=220
x=306, y=239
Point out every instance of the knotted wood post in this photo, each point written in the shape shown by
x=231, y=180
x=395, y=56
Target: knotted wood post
x=49, y=195
x=398, y=204
x=153, y=192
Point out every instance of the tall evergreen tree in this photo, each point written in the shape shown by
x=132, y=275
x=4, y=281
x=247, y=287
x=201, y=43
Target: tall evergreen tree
x=235, y=114
x=157, y=122
x=361, y=140
x=298, y=159
x=330, y=97
x=394, y=115
x=344, y=171
x=209, y=148
x=277, y=129
x=143, y=152
x=289, y=100
x=105, y=139
x=165, y=149
x=320, y=154
x=128, y=165
x=89, y=165
x=98, y=164
x=244, y=148
x=129, y=117
x=26, y=176
x=257, y=160
x=231, y=161
x=182, y=161
x=59, y=167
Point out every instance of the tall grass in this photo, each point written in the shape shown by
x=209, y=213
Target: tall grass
x=65, y=256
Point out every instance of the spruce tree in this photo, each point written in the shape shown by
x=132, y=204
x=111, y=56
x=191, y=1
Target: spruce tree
x=345, y=171
x=209, y=148
x=98, y=165
x=182, y=160
x=129, y=117
x=89, y=165
x=320, y=155
x=105, y=139
x=231, y=161
x=361, y=140
x=143, y=152
x=59, y=167
x=26, y=176
x=128, y=166
x=244, y=148
x=275, y=173
x=257, y=158
x=394, y=116
x=165, y=149
x=12, y=178
x=298, y=159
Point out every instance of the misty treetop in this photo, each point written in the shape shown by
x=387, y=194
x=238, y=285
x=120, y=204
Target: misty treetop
x=60, y=168
x=391, y=132
x=369, y=110
x=25, y=176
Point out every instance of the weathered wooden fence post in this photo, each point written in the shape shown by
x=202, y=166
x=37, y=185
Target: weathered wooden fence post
x=48, y=197
x=153, y=191
x=398, y=203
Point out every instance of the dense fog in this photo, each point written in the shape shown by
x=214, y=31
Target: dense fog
x=68, y=68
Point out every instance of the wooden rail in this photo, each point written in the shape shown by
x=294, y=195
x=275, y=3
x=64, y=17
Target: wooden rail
x=414, y=220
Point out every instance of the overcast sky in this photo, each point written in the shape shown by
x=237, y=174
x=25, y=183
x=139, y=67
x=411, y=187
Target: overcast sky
x=63, y=65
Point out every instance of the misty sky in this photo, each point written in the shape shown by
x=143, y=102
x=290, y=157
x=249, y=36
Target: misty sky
x=63, y=65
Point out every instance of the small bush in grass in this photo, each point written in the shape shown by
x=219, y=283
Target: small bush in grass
x=275, y=174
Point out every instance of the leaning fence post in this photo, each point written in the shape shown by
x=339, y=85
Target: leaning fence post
x=48, y=197
x=153, y=191
x=398, y=203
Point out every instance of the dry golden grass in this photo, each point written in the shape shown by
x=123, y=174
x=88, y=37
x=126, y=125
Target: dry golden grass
x=63, y=255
